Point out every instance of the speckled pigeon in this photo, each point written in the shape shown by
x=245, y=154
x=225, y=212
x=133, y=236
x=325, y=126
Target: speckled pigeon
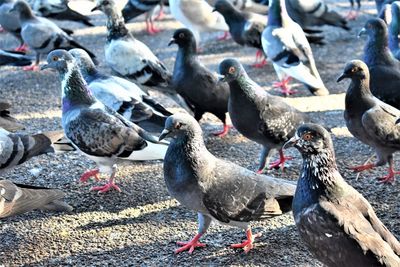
x=287, y=47
x=370, y=120
x=218, y=190
x=99, y=132
x=259, y=116
x=337, y=224
x=17, y=199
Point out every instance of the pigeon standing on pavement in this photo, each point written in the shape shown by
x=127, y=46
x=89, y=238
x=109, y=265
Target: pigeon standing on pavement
x=384, y=69
x=8, y=122
x=336, y=222
x=259, y=116
x=370, y=120
x=99, y=132
x=121, y=95
x=17, y=199
x=41, y=34
x=10, y=22
x=287, y=47
x=195, y=83
x=218, y=190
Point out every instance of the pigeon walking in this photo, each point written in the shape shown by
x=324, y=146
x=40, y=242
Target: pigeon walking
x=337, y=224
x=121, y=95
x=259, y=116
x=17, y=199
x=7, y=121
x=285, y=44
x=97, y=131
x=41, y=34
x=383, y=67
x=370, y=120
x=218, y=190
x=198, y=86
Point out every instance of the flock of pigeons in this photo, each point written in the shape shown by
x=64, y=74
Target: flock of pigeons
x=112, y=119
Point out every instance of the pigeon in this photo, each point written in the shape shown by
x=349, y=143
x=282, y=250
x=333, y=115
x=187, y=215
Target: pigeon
x=217, y=189
x=245, y=27
x=370, y=120
x=7, y=121
x=16, y=199
x=97, y=131
x=383, y=67
x=309, y=13
x=394, y=30
x=249, y=6
x=121, y=95
x=353, y=14
x=58, y=9
x=16, y=148
x=197, y=16
x=285, y=44
x=198, y=86
x=337, y=224
x=41, y=34
x=10, y=23
x=259, y=116
x=127, y=56
x=14, y=58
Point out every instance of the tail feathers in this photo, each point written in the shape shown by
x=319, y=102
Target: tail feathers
x=130, y=12
x=156, y=105
x=315, y=39
x=70, y=14
x=57, y=205
x=9, y=123
x=151, y=152
x=39, y=144
x=68, y=31
x=334, y=19
x=63, y=145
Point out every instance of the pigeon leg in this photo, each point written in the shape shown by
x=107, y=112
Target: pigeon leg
x=361, y=168
x=161, y=13
x=390, y=177
x=90, y=173
x=259, y=55
x=21, y=48
x=284, y=86
x=247, y=245
x=224, y=37
x=34, y=67
x=224, y=131
x=264, y=158
x=150, y=27
x=109, y=185
x=280, y=162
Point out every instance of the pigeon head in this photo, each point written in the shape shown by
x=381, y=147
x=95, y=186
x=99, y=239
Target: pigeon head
x=106, y=6
x=180, y=125
x=183, y=38
x=22, y=8
x=60, y=60
x=224, y=7
x=375, y=29
x=230, y=69
x=355, y=70
x=311, y=139
x=84, y=61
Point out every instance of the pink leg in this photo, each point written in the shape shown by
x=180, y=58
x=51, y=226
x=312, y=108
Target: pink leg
x=33, y=67
x=161, y=14
x=390, y=178
x=224, y=37
x=21, y=48
x=280, y=162
x=88, y=174
x=352, y=15
x=224, y=131
x=283, y=85
x=361, y=168
x=107, y=186
x=259, y=56
x=247, y=245
x=190, y=245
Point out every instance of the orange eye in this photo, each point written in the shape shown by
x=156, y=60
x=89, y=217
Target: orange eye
x=232, y=70
x=307, y=137
x=181, y=35
x=55, y=58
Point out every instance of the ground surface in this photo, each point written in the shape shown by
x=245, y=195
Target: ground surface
x=140, y=225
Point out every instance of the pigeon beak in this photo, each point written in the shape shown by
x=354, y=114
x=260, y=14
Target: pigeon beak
x=164, y=134
x=341, y=77
x=95, y=8
x=214, y=10
x=221, y=78
x=292, y=141
x=45, y=66
x=362, y=32
x=172, y=41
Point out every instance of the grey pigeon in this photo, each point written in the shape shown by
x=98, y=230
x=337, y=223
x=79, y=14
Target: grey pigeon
x=259, y=116
x=245, y=6
x=198, y=86
x=17, y=199
x=337, y=224
x=14, y=58
x=309, y=13
x=10, y=22
x=370, y=120
x=7, y=121
x=41, y=34
x=286, y=45
x=98, y=132
x=127, y=56
x=383, y=67
x=218, y=190
x=121, y=95
x=394, y=30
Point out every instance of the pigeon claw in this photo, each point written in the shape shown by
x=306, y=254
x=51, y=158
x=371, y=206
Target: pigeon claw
x=259, y=56
x=224, y=131
x=259, y=65
x=190, y=245
x=362, y=167
x=225, y=36
x=107, y=187
x=31, y=68
x=284, y=86
x=280, y=162
x=88, y=174
x=247, y=245
x=151, y=29
x=352, y=15
x=22, y=48
x=390, y=178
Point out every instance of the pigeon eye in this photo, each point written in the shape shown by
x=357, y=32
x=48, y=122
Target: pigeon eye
x=231, y=70
x=181, y=35
x=55, y=58
x=307, y=137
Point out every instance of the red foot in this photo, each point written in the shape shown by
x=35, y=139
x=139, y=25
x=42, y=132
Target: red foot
x=390, y=177
x=362, y=167
x=247, y=245
x=226, y=36
x=280, y=162
x=22, y=48
x=160, y=15
x=352, y=15
x=107, y=187
x=283, y=85
x=91, y=173
x=224, y=131
x=259, y=55
x=191, y=245
x=151, y=29
x=260, y=171
x=31, y=68
x=260, y=64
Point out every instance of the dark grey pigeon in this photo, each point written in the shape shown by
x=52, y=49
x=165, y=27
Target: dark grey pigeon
x=218, y=190
x=195, y=83
x=337, y=224
x=122, y=95
x=370, y=120
x=309, y=13
x=7, y=121
x=383, y=67
x=135, y=8
x=14, y=58
x=99, y=132
x=394, y=30
x=17, y=199
x=41, y=34
x=259, y=116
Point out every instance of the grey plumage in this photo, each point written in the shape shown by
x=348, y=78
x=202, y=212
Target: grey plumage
x=12, y=58
x=259, y=116
x=17, y=199
x=337, y=224
x=370, y=120
x=246, y=6
x=10, y=21
x=7, y=121
x=394, y=30
x=218, y=190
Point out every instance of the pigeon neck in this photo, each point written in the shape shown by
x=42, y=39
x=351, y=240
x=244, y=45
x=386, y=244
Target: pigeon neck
x=359, y=88
x=115, y=26
x=190, y=144
x=393, y=36
x=89, y=73
x=232, y=16
x=377, y=52
x=26, y=14
x=74, y=89
x=277, y=14
x=187, y=54
x=244, y=86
